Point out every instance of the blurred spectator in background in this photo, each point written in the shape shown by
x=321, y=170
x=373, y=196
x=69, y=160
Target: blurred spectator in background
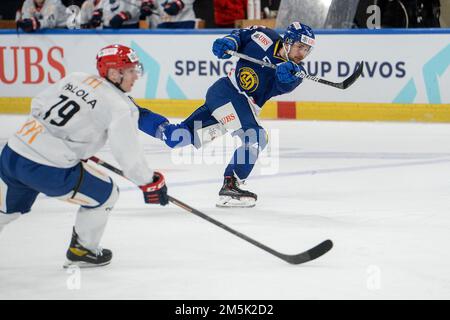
x=73, y=10
x=41, y=14
x=226, y=12
x=169, y=14
x=9, y=9
x=270, y=8
x=148, y=8
x=68, y=3
x=91, y=14
x=115, y=14
x=445, y=14
x=400, y=13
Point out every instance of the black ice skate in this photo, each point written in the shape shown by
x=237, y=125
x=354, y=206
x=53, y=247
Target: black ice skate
x=77, y=255
x=231, y=196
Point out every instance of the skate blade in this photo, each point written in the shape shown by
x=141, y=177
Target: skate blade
x=230, y=202
x=83, y=264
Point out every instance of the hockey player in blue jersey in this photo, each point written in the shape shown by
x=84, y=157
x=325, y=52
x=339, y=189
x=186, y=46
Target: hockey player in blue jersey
x=233, y=103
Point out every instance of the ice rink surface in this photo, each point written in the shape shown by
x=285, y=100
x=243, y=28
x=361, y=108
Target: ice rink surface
x=380, y=191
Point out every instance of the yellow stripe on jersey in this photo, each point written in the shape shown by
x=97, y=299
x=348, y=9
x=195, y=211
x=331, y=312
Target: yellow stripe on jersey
x=94, y=82
x=231, y=38
x=275, y=51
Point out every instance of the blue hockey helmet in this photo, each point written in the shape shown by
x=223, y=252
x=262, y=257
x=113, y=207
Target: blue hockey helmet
x=299, y=32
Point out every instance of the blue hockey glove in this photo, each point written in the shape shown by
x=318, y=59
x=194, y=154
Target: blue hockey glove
x=223, y=44
x=286, y=72
x=173, y=8
x=156, y=191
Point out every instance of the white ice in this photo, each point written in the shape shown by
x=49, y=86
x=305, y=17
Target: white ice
x=380, y=191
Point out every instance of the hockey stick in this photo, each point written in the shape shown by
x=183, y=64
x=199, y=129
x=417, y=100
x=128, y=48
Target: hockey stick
x=306, y=256
x=341, y=85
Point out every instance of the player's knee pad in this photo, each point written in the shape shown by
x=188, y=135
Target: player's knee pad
x=254, y=139
x=108, y=205
x=263, y=138
x=94, y=190
x=203, y=127
x=205, y=135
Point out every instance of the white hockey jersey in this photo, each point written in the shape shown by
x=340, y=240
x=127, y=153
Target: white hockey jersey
x=51, y=15
x=110, y=9
x=72, y=120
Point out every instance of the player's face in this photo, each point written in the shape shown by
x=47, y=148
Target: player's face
x=129, y=77
x=299, y=51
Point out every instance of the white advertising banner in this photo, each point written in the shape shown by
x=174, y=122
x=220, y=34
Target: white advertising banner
x=402, y=68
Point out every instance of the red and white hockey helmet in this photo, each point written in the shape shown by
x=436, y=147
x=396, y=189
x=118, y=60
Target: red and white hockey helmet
x=117, y=56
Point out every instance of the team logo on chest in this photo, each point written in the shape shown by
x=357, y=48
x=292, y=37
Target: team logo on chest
x=248, y=79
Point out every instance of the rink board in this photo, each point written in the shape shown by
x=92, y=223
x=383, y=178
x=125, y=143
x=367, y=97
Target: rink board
x=405, y=78
x=287, y=110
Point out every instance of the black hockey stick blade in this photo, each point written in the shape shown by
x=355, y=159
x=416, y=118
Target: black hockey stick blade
x=308, y=255
x=350, y=80
x=340, y=85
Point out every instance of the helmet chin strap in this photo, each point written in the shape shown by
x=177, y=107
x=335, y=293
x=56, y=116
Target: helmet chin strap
x=117, y=84
x=286, y=51
x=121, y=77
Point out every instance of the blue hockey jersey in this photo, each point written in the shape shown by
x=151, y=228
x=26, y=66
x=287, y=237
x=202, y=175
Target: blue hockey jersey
x=257, y=81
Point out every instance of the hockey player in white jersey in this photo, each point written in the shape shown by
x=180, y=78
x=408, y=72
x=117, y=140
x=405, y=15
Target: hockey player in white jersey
x=41, y=14
x=116, y=14
x=71, y=121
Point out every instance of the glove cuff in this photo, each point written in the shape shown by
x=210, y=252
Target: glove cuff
x=157, y=183
x=36, y=23
x=180, y=4
x=234, y=40
x=98, y=12
x=124, y=15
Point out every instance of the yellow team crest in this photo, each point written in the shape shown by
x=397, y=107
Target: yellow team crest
x=248, y=79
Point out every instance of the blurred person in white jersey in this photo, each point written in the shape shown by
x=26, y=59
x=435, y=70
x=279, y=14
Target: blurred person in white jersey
x=41, y=14
x=169, y=14
x=115, y=14
x=70, y=121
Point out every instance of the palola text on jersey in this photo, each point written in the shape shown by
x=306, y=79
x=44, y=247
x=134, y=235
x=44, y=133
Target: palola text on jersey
x=79, y=92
